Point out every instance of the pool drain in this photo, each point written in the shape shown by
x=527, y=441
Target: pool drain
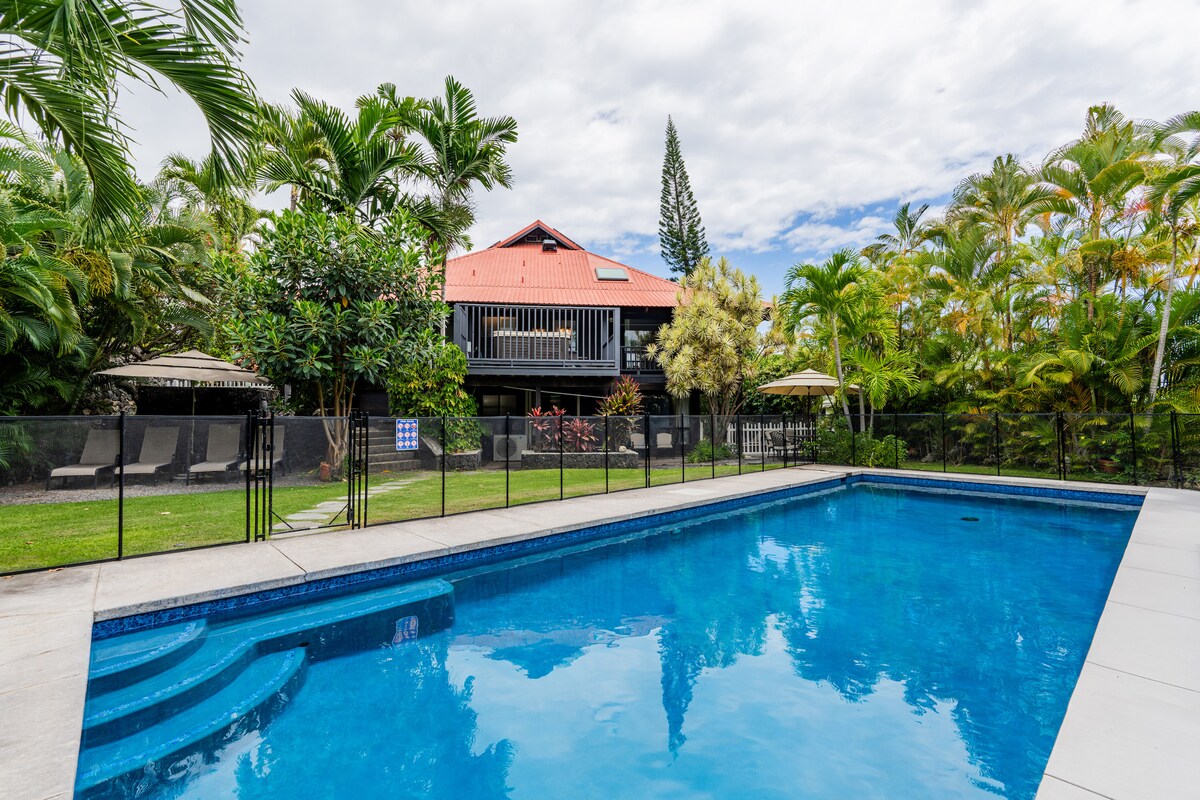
x=969, y=519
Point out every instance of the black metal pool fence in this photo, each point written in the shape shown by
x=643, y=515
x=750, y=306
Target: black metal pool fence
x=92, y=488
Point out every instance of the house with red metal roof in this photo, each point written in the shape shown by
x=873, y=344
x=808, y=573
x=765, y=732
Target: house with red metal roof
x=544, y=322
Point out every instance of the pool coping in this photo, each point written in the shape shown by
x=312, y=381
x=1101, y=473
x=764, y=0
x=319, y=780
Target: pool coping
x=46, y=620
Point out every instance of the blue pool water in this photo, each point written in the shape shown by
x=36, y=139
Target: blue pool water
x=869, y=641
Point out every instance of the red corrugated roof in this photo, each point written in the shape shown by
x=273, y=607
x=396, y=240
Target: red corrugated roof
x=547, y=233
x=514, y=272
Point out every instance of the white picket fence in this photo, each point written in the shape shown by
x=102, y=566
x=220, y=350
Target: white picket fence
x=756, y=434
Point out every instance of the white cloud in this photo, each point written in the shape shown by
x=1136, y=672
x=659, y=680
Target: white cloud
x=823, y=237
x=786, y=110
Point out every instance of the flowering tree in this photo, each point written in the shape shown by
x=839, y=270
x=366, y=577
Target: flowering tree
x=325, y=304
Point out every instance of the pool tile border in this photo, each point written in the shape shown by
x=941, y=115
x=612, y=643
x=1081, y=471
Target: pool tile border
x=1125, y=498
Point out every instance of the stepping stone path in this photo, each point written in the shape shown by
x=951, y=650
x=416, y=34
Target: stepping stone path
x=324, y=513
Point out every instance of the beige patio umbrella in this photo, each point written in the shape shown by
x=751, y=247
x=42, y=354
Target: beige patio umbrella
x=808, y=383
x=189, y=367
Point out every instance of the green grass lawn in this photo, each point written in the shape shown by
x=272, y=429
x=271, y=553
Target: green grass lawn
x=475, y=491
x=50, y=534
x=56, y=533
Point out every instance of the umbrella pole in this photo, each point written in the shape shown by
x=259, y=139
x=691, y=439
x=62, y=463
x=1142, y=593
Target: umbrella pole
x=187, y=477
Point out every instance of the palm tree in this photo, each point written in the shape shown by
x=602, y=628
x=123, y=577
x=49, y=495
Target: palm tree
x=1173, y=192
x=824, y=291
x=291, y=145
x=457, y=149
x=1091, y=179
x=39, y=291
x=360, y=160
x=1090, y=357
x=910, y=233
x=132, y=287
x=197, y=187
x=881, y=376
x=1003, y=202
x=61, y=61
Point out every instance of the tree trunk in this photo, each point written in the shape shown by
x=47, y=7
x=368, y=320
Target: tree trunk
x=862, y=411
x=837, y=359
x=1165, y=323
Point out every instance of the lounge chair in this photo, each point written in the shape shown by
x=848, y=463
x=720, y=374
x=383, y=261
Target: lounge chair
x=221, y=453
x=100, y=452
x=260, y=456
x=158, y=452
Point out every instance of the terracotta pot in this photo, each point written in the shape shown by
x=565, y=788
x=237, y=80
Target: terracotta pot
x=324, y=471
x=1108, y=466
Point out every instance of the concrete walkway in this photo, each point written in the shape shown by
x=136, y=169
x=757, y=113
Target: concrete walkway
x=327, y=512
x=1132, y=729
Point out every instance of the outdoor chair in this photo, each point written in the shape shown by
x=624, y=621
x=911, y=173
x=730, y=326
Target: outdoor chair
x=664, y=441
x=100, y=452
x=803, y=446
x=158, y=452
x=221, y=454
x=260, y=456
x=779, y=443
x=637, y=441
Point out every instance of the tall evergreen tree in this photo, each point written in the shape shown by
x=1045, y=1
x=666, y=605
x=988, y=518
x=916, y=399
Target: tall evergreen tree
x=680, y=232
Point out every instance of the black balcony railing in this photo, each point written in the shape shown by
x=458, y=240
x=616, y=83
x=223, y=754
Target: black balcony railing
x=637, y=361
x=507, y=339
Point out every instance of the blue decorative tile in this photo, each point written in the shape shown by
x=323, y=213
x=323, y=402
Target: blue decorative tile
x=1084, y=495
x=442, y=564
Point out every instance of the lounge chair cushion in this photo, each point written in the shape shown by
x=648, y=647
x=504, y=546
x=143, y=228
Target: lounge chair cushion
x=99, y=452
x=158, y=451
x=224, y=443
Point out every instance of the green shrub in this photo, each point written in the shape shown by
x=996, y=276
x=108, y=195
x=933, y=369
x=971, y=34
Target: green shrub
x=834, y=446
x=463, y=434
x=704, y=452
x=432, y=385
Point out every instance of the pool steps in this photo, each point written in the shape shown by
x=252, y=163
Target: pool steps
x=266, y=679
x=123, y=657
x=155, y=692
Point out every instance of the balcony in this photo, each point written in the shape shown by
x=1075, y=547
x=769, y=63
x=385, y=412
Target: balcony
x=638, y=362
x=538, y=340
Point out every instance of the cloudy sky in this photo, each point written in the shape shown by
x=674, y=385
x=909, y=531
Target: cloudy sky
x=803, y=124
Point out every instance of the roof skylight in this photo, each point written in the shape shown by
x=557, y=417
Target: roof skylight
x=611, y=274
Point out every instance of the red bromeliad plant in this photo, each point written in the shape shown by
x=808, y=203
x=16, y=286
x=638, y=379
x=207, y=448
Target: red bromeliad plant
x=624, y=405
x=547, y=426
x=579, y=436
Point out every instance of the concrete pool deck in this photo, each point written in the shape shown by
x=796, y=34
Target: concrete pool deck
x=1132, y=728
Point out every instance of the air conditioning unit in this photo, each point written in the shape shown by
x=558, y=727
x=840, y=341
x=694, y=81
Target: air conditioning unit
x=508, y=448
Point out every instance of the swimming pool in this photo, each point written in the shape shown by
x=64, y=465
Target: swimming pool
x=864, y=640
